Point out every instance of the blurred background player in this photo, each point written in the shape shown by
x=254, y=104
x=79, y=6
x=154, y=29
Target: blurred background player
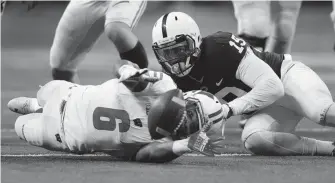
x=81, y=25
x=332, y=16
x=267, y=25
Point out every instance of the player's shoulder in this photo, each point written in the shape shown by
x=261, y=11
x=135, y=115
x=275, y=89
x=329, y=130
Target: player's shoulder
x=219, y=37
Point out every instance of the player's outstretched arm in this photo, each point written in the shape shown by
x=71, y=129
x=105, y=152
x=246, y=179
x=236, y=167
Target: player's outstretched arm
x=266, y=85
x=162, y=152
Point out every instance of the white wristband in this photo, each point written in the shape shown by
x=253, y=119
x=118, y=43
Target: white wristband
x=179, y=147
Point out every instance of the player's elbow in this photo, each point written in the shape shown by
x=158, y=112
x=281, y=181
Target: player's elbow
x=118, y=33
x=277, y=88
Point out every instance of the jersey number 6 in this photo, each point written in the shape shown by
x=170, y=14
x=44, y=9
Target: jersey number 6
x=106, y=119
x=237, y=43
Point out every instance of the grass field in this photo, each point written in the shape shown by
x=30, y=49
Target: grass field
x=26, y=39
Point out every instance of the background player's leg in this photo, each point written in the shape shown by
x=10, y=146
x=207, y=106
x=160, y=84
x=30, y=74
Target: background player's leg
x=317, y=104
x=121, y=18
x=284, y=14
x=332, y=16
x=78, y=29
x=269, y=132
x=253, y=21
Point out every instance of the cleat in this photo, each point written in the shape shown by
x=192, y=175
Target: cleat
x=23, y=105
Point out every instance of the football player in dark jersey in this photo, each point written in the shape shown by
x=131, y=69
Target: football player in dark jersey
x=270, y=90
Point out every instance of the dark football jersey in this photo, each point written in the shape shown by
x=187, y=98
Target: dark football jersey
x=215, y=71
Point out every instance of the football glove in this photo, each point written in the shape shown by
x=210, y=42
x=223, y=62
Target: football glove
x=128, y=73
x=201, y=143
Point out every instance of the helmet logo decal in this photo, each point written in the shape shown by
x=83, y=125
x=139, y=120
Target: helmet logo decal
x=164, y=25
x=162, y=131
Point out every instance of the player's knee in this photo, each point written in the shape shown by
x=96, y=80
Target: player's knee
x=261, y=143
x=258, y=28
x=118, y=31
x=29, y=129
x=318, y=112
x=19, y=125
x=328, y=116
x=286, y=25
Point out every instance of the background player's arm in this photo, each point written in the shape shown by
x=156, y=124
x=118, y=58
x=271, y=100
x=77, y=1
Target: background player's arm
x=266, y=85
x=162, y=152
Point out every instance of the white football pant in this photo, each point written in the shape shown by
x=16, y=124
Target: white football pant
x=273, y=19
x=306, y=95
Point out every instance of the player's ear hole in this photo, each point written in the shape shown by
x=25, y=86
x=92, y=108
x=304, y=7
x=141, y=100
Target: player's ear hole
x=176, y=18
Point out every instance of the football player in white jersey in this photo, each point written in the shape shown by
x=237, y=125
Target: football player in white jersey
x=81, y=25
x=267, y=25
x=111, y=118
x=272, y=91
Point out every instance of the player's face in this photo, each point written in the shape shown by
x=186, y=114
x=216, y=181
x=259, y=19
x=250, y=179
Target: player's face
x=192, y=122
x=174, y=56
x=181, y=68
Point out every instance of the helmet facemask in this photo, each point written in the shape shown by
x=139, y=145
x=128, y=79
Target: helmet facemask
x=175, y=55
x=193, y=120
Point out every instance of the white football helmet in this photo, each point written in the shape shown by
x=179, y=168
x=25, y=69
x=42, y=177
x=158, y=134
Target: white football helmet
x=179, y=115
x=176, y=39
x=207, y=107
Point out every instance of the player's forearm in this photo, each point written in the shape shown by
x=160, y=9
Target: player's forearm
x=262, y=95
x=266, y=85
x=162, y=152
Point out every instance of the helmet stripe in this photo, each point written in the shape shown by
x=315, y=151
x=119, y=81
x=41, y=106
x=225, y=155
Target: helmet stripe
x=218, y=120
x=164, y=25
x=215, y=113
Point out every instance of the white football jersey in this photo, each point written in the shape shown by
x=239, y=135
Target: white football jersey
x=109, y=117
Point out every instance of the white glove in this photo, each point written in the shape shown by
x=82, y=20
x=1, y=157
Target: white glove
x=129, y=73
x=200, y=142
